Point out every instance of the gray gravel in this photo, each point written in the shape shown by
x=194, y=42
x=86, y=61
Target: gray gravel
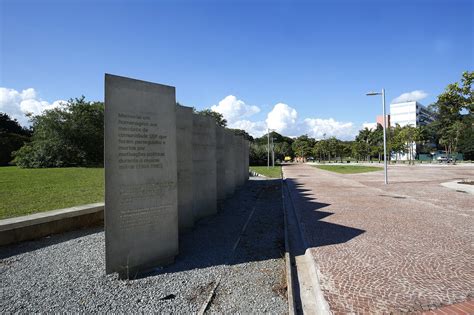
x=67, y=272
x=255, y=281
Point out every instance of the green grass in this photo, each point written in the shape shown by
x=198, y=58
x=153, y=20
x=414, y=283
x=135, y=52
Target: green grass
x=272, y=172
x=26, y=191
x=349, y=169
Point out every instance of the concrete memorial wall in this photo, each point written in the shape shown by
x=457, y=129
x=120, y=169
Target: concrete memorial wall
x=220, y=167
x=141, y=194
x=204, y=166
x=238, y=160
x=165, y=168
x=184, y=134
x=246, y=159
x=229, y=162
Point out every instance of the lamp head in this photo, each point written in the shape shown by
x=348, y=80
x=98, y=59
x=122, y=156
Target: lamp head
x=373, y=93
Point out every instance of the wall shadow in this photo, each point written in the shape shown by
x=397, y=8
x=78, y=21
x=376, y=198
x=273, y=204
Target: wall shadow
x=310, y=213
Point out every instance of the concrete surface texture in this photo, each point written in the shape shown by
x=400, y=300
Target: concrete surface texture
x=37, y=225
x=229, y=160
x=238, y=144
x=220, y=167
x=204, y=166
x=141, y=198
x=184, y=133
x=403, y=247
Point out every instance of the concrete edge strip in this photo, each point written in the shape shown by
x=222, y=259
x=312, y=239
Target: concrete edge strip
x=49, y=216
x=35, y=226
x=454, y=185
x=321, y=302
x=289, y=276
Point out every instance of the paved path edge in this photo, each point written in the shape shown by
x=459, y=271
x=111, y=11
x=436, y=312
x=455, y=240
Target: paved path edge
x=321, y=303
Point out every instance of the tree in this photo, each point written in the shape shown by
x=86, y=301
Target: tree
x=257, y=154
x=303, y=146
x=12, y=137
x=243, y=133
x=70, y=135
x=360, y=150
x=454, y=112
x=410, y=136
x=282, y=149
x=218, y=117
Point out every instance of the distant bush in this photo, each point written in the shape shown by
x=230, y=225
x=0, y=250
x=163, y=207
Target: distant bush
x=12, y=137
x=71, y=135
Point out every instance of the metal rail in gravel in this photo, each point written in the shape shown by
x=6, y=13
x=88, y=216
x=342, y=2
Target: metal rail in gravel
x=212, y=293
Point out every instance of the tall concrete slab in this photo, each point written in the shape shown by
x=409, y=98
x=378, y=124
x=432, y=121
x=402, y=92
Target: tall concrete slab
x=204, y=166
x=220, y=167
x=184, y=134
x=141, y=197
x=243, y=160
x=235, y=158
x=229, y=162
x=246, y=160
x=238, y=160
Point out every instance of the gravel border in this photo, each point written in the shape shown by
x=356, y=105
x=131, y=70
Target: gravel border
x=66, y=272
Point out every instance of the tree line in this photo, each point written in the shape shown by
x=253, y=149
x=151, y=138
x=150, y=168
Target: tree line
x=73, y=135
x=452, y=131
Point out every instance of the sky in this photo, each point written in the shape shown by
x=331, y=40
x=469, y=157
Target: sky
x=299, y=67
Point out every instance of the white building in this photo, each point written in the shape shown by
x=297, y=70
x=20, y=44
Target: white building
x=409, y=113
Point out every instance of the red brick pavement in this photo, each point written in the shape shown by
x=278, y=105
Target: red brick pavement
x=466, y=308
x=405, y=247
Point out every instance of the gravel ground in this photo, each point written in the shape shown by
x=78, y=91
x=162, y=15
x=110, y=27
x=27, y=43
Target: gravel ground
x=67, y=272
x=258, y=262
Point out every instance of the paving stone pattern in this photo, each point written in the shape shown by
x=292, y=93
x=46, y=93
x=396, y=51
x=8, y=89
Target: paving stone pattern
x=406, y=247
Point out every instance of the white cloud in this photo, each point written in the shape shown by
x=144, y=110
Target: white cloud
x=253, y=128
x=370, y=126
x=234, y=110
x=17, y=104
x=410, y=96
x=282, y=118
x=320, y=128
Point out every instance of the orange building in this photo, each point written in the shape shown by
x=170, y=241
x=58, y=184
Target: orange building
x=380, y=120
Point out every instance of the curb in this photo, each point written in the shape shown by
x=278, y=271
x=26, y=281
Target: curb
x=289, y=276
x=30, y=227
x=321, y=303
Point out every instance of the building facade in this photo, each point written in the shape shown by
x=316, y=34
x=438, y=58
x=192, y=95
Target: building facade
x=409, y=113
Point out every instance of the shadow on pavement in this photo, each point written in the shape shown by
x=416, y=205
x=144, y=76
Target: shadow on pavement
x=315, y=231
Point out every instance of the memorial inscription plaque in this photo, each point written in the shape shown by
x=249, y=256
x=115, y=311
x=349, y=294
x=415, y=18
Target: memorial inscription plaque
x=141, y=216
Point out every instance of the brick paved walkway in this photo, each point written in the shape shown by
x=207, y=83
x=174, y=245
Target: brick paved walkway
x=466, y=308
x=406, y=247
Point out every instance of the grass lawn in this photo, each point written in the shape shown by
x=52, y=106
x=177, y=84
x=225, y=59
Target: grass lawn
x=26, y=191
x=272, y=172
x=349, y=169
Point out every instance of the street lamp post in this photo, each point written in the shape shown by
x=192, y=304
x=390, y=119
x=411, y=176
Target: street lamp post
x=384, y=132
x=268, y=148
x=273, y=152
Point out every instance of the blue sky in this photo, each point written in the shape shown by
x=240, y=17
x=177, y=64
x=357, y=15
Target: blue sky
x=314, y=59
